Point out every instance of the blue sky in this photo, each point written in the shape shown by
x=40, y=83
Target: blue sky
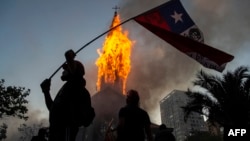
x=34, y=34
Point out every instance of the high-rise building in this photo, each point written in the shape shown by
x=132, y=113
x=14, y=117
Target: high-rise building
x=173, y=116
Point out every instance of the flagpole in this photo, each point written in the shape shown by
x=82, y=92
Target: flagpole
x=90, y=43
x=101, y=36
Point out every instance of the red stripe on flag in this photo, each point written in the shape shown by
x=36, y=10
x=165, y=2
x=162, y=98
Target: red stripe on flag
x=206, y=55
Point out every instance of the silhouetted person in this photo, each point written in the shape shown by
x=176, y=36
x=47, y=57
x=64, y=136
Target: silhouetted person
x=164, y=134
x=41, y=135
x=73, y=69
x=67, y=109
x=134, y=122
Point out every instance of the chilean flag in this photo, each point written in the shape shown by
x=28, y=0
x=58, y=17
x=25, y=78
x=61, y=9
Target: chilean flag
x=171, y=22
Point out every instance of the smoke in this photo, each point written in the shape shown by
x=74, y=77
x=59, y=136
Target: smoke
x=35, y=119
x=223, y=22
x=158, y=68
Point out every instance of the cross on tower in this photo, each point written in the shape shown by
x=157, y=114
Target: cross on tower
x=116, y=8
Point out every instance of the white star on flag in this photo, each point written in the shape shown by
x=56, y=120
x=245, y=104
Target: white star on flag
x=177, y=17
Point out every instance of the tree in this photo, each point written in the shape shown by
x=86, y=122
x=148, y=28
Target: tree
x=3, y=129
x=12, y=103
x=224, y=100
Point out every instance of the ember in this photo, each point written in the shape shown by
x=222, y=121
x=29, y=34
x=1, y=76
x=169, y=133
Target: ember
x=114, y=58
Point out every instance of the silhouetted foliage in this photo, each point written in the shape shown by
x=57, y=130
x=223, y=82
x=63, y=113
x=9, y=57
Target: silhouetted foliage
x=224, y=100
x=3, y=130
x=12, y=103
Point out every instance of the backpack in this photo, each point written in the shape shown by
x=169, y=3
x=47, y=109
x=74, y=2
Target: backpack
x=83, y=112
x=89, y=117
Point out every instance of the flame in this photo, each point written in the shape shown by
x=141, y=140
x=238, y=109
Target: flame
x=114, y=58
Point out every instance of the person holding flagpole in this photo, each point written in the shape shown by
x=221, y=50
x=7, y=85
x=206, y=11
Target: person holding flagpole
x=69, y=108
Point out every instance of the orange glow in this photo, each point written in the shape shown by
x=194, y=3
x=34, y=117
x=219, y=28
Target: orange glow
x=114, y=57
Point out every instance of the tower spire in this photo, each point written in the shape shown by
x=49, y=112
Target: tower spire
x=116, y=8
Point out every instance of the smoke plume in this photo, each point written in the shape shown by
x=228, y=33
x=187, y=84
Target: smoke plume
x=34, y=121
x=158, y=68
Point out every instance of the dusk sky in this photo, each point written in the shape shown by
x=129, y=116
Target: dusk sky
x=34, y=34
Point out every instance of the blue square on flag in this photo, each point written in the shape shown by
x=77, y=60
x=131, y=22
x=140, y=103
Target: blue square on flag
x=176, y=17
x=172, y=23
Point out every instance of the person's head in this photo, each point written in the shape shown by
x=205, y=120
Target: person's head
x=42, y=132
x=69, y=55
x=165, y=128
x=132, y=97
x=162, y=126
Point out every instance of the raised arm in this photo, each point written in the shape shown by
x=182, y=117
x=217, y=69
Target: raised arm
x=45, y=85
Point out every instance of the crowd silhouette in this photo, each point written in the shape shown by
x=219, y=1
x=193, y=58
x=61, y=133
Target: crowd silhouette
x=72, y=108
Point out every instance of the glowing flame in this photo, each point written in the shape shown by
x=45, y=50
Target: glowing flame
x=114, y=58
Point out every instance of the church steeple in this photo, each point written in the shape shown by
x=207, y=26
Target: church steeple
x=116, y=8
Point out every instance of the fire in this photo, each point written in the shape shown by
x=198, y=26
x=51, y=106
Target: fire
x=114, y=58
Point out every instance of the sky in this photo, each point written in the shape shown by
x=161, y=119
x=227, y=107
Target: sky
x=34, y=34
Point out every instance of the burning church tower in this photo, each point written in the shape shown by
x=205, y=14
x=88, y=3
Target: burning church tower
x=114, y=58
x=113, y=70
